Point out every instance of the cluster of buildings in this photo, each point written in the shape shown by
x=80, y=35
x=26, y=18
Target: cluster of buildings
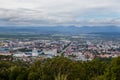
x=77, y=49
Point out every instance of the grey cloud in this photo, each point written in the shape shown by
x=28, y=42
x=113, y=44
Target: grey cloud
x=61, y=12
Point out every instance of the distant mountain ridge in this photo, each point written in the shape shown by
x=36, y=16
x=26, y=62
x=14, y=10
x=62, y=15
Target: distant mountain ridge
x=62, y=30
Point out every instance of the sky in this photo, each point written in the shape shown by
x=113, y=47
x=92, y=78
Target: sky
x=59, y=12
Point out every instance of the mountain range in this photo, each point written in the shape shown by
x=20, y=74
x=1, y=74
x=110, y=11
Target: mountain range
x=61, y=30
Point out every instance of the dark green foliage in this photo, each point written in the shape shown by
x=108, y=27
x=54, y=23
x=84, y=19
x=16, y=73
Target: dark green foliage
x=113, y=71
x=7, y=58
x=33, y=76
x=17, y=73
x=61, y=68
x=4, y=69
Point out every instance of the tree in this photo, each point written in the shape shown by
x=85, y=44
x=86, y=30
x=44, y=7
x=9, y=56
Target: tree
x=113, y=71
x=61, y=77
x=17, y=72
x=33, y=76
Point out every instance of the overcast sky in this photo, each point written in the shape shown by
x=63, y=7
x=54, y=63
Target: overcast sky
x=59, y=12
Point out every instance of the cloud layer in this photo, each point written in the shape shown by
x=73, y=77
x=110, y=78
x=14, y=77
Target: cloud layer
x=59, y=12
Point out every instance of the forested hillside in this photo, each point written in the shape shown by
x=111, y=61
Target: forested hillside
x=60, y=68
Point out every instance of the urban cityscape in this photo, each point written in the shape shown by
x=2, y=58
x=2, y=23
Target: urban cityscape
x=80, y=48
x=59, y=39
x=58, y=56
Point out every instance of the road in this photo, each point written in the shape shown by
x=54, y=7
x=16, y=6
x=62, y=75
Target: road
x=66, y=47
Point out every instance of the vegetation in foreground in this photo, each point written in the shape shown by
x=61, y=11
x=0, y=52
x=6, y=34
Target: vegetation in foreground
x=60, y=68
